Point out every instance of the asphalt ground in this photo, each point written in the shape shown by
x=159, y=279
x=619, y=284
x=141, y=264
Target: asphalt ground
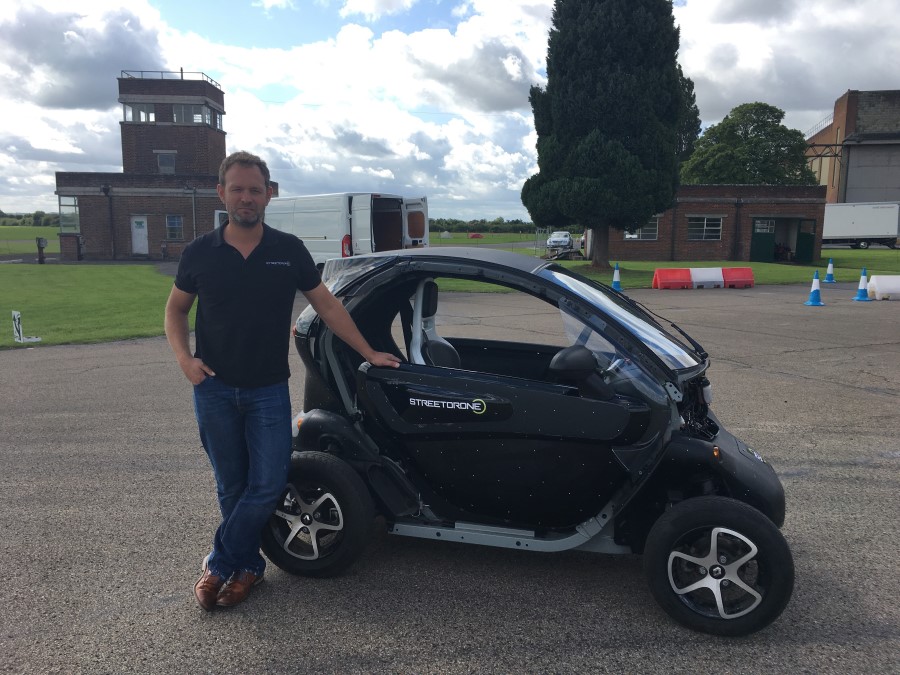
x=107, y=507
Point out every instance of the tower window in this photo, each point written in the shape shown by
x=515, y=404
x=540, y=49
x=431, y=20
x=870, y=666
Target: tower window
x=191, y=114
x=166, y=162
x=140, y=112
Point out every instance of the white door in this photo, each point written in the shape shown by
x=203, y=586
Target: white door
x=139, y=243
x=361, y=223
x=415, y=222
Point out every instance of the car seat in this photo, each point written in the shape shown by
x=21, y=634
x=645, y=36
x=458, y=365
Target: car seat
x=427, y=347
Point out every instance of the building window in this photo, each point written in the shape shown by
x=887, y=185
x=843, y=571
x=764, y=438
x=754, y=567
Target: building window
x=166, y=162
x=140, y=112
x=764, y=226
x=648, y=232
x=174, y=227
x=68, y=215
x=191, y=114
x=703, y=228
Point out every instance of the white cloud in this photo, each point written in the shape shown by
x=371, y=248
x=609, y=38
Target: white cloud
x=375, y=9
x=441, y=111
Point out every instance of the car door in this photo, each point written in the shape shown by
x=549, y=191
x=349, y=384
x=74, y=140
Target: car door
x=497, y=447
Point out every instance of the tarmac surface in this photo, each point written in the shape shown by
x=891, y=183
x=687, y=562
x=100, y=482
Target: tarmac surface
x=107, y=506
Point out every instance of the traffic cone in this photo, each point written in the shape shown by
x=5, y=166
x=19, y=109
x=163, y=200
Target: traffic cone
x=862, y=294
x=829, y=273
x=815, y=295
x=617, y=284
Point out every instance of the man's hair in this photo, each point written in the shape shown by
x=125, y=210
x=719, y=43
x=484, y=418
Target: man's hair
x=244, y=159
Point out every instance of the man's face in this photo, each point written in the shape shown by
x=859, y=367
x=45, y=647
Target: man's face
x=244, y=195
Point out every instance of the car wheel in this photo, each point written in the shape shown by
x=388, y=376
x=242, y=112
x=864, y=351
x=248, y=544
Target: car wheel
x=864, y=244
x=719, y=566
x=323, y=520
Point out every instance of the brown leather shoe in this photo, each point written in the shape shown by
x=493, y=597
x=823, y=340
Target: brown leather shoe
x=206, y=590
x=237, y=589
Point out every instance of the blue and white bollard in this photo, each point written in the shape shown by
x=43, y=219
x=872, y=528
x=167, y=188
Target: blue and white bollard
x=862, y=293
x=815, y=294
x=829, y=273
x=617, y=283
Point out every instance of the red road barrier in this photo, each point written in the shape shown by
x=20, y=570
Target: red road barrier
x=738, y=277
x=672, y=277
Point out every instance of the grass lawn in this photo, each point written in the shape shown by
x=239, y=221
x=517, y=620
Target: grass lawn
x=16, y=239
x=65, y=304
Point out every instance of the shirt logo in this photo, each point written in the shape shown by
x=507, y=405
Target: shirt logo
x=282, y=263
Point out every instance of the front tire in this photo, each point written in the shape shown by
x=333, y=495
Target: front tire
x=719, y=566
x=323, y=520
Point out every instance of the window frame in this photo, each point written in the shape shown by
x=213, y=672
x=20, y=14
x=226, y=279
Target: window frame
x=163, y=170
x=642, y=233
x=72, y=216
x=707, y=229
x=170, y=228
x=191, y=113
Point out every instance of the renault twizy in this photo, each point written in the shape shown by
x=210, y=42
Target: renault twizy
x=585, y=424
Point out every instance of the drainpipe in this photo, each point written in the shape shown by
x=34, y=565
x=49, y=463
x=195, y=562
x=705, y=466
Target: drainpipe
x=112, y=229
x=674, y=227
x=193, y=209
x=737, y=249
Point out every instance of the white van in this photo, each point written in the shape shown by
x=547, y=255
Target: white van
x=349, y=223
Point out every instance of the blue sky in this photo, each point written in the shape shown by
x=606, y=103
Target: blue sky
x=415, y=97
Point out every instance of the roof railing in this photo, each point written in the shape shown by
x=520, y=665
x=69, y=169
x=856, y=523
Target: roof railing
x=169, y=75
x=819, y=126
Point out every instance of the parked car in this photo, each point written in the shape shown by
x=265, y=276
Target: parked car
x=595, y=433
x=560, y=240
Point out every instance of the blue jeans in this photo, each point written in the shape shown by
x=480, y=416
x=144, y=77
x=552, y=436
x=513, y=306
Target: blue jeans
x=246, y=433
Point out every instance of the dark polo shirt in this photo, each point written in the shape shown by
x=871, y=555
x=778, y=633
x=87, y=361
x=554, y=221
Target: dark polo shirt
x=244, y=306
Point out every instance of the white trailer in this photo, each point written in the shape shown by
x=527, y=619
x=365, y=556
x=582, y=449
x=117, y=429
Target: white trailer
x=349, y=223
x=862, y=224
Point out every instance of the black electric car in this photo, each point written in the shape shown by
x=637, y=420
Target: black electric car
x=585, y=424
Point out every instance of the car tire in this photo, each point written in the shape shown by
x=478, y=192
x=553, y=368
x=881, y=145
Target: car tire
x=719, y=566
x=324, y=519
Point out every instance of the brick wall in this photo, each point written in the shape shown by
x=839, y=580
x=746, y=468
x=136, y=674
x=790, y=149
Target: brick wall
x=106, y=220
x=737, y=206
x=200, y=149
x=134, y=86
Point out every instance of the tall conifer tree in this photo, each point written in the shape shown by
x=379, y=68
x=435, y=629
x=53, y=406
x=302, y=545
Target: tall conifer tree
x=608, y=120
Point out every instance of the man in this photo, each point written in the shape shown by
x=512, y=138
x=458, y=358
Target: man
x=245, y=276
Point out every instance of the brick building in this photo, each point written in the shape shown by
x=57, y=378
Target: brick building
x=762, y=223
x=173, y=142
x=855, y=151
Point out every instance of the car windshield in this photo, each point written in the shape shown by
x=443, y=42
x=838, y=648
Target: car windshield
x=668, y=348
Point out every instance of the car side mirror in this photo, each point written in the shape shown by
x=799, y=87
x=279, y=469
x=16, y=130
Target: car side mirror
x=579, y=365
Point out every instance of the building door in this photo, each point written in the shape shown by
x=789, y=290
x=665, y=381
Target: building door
x=806, y=241
x=139, y=243
x=762, y=244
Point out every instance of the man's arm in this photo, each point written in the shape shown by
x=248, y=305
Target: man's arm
x=335, y=315
x=178, y=334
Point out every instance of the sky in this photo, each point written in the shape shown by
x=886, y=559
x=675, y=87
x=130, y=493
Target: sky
x=410, y=97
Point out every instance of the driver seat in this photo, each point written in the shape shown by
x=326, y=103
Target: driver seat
x=427, y=347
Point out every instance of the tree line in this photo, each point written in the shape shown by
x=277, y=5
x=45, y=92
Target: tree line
x=36, y=219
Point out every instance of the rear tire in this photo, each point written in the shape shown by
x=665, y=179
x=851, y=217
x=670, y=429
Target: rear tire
x=323, y=521
x=719, y=566
x=864, y=244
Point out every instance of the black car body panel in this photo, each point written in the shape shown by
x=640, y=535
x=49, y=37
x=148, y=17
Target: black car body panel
x=504, y=440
